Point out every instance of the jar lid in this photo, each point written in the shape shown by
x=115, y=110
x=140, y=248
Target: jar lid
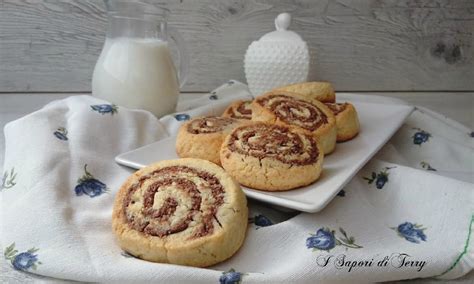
x=282, y=23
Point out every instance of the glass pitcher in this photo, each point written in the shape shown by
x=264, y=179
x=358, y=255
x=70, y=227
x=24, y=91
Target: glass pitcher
x=135, y=68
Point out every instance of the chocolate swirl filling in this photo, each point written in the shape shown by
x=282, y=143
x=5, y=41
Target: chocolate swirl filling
x=168, y=200
x=336, y=108
x=242, y=111
x=209, y=124
x=294, y=111
x=273, y=141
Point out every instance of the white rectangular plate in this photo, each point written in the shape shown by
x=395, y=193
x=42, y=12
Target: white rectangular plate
x=378, y=123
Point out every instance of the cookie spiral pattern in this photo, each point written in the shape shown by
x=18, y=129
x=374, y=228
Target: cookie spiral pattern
x=268, y=157
x=291, y=109
x=170, y=211
x=273, y=141
x=239, y=110
x=336, y=108
x=202, y=137
x=347, y=121
x=167, y=200
x=294, y=111
x=209, y=124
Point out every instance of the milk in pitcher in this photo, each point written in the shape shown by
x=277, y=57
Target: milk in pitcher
x=137, y=73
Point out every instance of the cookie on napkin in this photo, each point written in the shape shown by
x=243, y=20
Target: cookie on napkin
x=185, y=211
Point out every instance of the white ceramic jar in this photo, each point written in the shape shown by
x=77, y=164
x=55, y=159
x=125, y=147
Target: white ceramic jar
x=278, y=58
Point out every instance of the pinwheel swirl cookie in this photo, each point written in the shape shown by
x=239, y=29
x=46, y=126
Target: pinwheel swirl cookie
x=185, y=211
x=284, y=108
x=347, y=122
x=320, y=91
x=272, y=157
x=202, y=137
x=239, y=110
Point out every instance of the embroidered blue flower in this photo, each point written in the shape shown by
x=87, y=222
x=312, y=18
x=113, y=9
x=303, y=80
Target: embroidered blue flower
x=105, y=108
x=411, y=232
x=182, y=116
x=230, y=277
x=341, y=193
x=213, y=96
x=380, y=178
x=61, y=133
x=261, y=221
x=24, y=260
x=427, y=166
x=8, y=179
x=420, y=137
x=325, y=239
x=90, y=186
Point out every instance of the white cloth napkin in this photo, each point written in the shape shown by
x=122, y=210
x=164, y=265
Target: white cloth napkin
x=407, y=214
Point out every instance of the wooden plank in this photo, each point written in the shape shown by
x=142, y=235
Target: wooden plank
x=364, y=45
x=458, y=106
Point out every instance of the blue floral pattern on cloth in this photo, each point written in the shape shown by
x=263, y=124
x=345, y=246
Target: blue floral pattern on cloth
x=427, y=166
x=325, y=239
x=61, y=133
x=420, y=136
x=182, y=116
x=230, y=277
x=380, y=178
x=88, y=185
x=105, y=108
x=341, y=193
x=411, y=232
x=213, y=96
x=261, y=221
x=8, y=179
x=23, y=260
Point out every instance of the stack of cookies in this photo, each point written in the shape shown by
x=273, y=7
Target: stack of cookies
x=277, y=141
x=191, y=211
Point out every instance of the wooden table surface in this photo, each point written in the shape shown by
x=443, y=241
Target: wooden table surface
x=364, y=45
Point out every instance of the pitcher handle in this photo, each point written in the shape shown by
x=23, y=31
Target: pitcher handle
x=183, y=56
